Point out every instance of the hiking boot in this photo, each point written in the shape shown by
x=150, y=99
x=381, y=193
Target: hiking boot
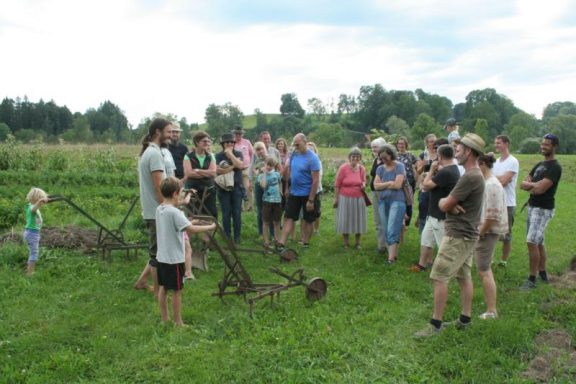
x=427, y=331
x=459, y=325
x=527, y=286
x=502, y=263
x=488, y=316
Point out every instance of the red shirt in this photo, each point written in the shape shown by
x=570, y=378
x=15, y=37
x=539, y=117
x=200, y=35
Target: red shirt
x=349, y=181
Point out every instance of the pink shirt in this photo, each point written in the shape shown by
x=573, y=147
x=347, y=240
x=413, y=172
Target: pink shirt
x=350, y=181
x=247, y=151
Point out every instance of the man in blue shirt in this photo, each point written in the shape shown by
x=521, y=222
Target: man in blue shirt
x=303, y=172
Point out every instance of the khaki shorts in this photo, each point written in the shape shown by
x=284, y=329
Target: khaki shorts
x=484, y=251
x=454, y=259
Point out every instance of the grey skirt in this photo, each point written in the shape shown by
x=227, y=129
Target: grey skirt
x=351, y=215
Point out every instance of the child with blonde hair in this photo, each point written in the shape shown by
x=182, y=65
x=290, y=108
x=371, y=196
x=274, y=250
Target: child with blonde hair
x=36, y=199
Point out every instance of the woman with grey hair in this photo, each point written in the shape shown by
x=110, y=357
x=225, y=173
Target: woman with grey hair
x=349, y=198
x=392, y=204
x=375, y=146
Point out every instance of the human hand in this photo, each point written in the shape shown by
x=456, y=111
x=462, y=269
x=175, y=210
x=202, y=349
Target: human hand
x=457, y=210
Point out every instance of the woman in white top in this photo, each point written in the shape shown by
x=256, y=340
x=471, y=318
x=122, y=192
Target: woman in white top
x=494, y=223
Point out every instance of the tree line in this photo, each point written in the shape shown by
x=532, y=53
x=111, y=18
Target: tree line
x=342, y=122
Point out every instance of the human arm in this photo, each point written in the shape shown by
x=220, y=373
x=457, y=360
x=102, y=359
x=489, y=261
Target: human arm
x=313, y=189
x=505, y=178
x=39, y=204
x=449, y=204
x=428, y=183
x=156, y=181
x=538, y=187
x=236, y=161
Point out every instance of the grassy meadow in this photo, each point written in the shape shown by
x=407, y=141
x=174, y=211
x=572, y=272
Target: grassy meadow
x=79, y=320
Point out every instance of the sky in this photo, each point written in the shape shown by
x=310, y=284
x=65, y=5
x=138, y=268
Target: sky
x=179, y=56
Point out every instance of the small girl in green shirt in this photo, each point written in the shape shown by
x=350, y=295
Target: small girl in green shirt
x=36, y=199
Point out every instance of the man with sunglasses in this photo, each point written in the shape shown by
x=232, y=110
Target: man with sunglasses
x=541, y=183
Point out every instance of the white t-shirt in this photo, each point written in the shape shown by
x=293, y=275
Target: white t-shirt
x=500, y=168
x=170, y=222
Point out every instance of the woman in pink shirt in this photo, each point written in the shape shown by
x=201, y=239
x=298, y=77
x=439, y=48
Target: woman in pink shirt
x=349, y=200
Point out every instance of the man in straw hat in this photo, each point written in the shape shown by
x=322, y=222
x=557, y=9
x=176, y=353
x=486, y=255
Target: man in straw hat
x=463, y=207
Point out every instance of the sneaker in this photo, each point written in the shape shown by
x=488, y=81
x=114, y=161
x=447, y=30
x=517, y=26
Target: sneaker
x=528, y=285
x=428, y=330
x=502, y=263
x=488, y=316
x=390, y=261
x=280, y=247
x=305, y=245
x=458, y=324
x=417, y=268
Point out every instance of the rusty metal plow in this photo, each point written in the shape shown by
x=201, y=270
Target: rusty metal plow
x=237, y=280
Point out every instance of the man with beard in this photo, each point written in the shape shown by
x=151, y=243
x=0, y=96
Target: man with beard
x=541, y=183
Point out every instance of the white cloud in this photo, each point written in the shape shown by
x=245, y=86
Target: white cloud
x=171, y=57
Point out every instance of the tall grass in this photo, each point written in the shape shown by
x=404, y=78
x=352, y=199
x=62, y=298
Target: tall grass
x=79, y=320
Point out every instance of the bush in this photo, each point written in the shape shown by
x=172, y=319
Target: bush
x=530, y=145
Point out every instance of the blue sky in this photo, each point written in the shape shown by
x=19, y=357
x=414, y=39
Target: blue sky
x=180, y=56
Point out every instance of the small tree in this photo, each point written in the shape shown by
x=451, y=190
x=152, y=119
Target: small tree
x=4, y=131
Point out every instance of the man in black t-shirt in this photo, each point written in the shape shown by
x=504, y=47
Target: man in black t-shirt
x=178, y=150
x=541, y=183
x=439, y=181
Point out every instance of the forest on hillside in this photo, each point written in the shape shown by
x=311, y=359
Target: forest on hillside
x=343, y=122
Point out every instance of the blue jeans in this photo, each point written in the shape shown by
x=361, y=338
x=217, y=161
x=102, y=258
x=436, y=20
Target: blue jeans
x=392, y=219
x=231, y=204
x=258, y=194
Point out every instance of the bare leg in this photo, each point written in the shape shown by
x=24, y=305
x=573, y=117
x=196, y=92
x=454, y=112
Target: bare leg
x=466, y=292
x=392, y=252
x=534, y=255
x=506, y=248
x=426, y=254
x=266, y=232
x=317, y=225
x=286, y=230
x=30, y=268
x=277, y=229
x=142, y=282
x=302, y=230
x=187, y=259
x=346, y=240
x=177, y=308
x=543, y=257
x=307, y=231
x=357, y=240
x=489, y=286
x=440, y=298
x=162, y=297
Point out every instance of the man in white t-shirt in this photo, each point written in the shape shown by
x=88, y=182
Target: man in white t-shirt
x=506, y=171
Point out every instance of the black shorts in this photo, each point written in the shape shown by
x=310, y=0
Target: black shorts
x=296, y=204
x=271, y=212
x=152, y=242
x=170, y=276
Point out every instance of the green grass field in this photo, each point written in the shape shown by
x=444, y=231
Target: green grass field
x=78, y=319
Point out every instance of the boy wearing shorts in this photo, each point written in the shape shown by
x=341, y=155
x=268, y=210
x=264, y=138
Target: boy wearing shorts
x=271, y=182
x=171, y=223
